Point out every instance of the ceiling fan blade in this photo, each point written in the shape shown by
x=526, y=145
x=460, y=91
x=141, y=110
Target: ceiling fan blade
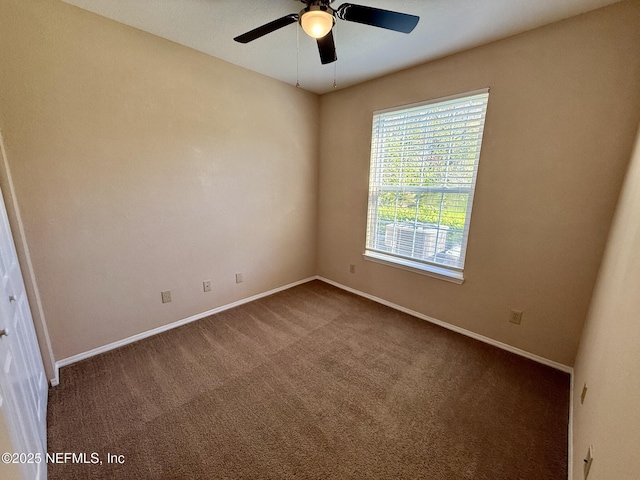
x=400, y=22
x=327, y=48
x=267, y=28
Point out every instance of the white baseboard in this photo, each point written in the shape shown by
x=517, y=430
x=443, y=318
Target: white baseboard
x=164, y=328
x=448, y=326
x=134, y=338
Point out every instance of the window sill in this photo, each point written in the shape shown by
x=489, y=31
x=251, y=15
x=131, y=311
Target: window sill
x=429, y=270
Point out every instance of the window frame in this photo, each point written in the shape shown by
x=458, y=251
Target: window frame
x=449, y=273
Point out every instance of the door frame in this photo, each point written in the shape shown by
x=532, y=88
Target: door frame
x=24, y=259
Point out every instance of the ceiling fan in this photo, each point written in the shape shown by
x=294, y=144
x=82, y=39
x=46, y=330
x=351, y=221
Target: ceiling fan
x=318, y=18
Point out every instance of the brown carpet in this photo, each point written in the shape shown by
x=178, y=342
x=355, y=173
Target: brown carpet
x=311, y=383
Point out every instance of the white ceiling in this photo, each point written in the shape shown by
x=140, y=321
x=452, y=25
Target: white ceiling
x=364, y=52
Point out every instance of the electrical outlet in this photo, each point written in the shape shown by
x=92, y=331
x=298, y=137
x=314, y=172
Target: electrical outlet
x=584, y=393
x=166, y=296
x=206, y=285
x=515, y=317
x=238, y=278
x=352, y=268
x=588, y=461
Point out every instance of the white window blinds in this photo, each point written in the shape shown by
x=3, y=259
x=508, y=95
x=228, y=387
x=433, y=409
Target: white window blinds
x=424, y=160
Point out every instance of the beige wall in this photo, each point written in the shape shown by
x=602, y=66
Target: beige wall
x=563, y=109
x=608, y=359
x=140, y=166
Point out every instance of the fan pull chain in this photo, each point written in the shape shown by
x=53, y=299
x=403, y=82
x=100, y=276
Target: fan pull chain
x=335, y=64
x=297, y=57
x=335, y=85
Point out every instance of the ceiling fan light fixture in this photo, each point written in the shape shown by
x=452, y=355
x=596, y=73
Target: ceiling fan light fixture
x=316, y=22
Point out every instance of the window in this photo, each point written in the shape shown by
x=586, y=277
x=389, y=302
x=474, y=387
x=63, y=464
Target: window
x=424, y=160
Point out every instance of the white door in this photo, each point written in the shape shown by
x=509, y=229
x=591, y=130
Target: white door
x=23, y=384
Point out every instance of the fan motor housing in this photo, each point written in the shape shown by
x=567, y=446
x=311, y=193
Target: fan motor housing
x=317, y=5
x=317, y=2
